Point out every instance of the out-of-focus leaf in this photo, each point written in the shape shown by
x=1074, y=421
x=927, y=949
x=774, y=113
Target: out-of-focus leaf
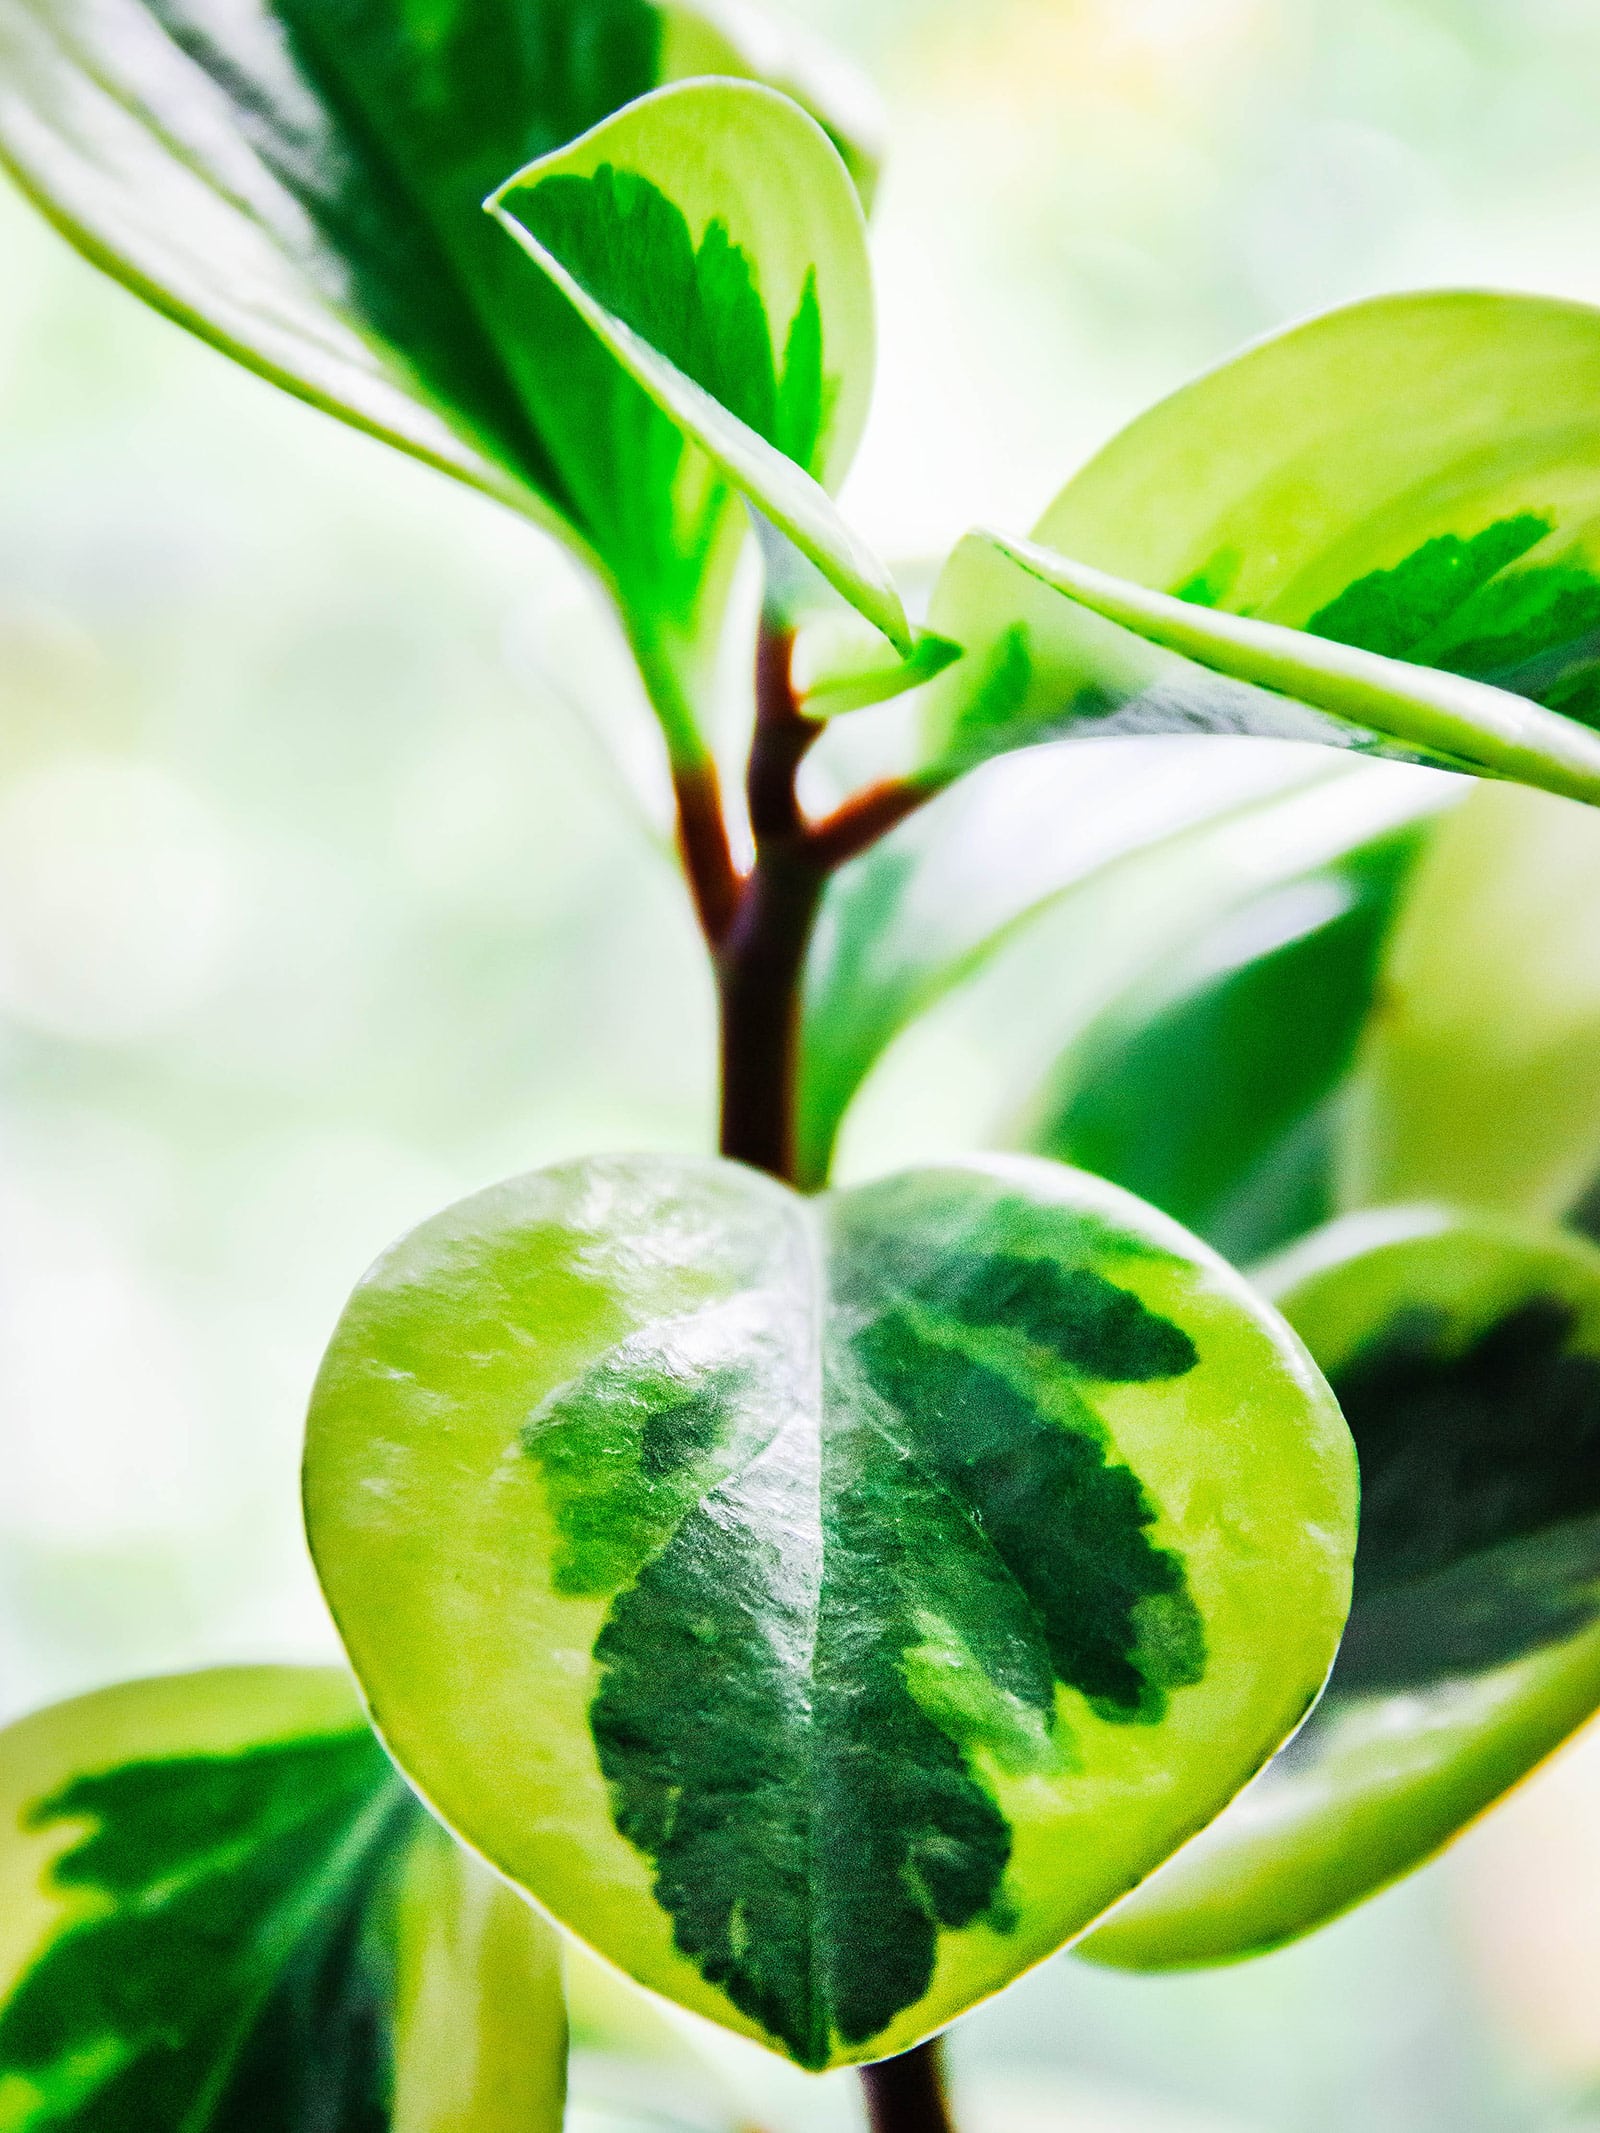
x=1420, y=1018
x=1480, y=1080
x=301, y=183
x=219, y=1907
x=711, y=237
x=839, y=666
x=1466, y=1356
x=817, y=1602
x=1216, y=1086
x=1412, y=478
x=1070, y=856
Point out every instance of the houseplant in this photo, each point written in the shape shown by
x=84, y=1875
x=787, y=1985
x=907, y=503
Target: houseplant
x=638, y=1605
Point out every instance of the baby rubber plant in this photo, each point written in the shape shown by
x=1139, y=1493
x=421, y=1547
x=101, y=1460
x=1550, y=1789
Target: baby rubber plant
x=823, y=1603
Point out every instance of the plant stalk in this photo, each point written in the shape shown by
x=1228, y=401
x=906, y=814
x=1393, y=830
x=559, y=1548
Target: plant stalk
x=906, y=2094
x=760, y=958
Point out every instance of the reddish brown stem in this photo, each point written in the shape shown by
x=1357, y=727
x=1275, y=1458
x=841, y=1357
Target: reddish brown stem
x=758, y=925
x=762, y=955
x=862, y=819
x=906, y=2094
x=704, y=848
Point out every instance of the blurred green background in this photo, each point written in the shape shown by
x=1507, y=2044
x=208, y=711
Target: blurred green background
x=331, y=887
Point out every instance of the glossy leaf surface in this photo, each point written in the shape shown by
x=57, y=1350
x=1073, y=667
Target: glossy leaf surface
x=220, y=1908
x=1412, y=478
x=301, y=182
x=825, y=1607
x=711, y=237
x=1467, y=1359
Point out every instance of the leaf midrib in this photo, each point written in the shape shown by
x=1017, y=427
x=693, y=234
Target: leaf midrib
x=287, y=1925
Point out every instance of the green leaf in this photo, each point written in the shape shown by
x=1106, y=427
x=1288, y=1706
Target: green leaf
x=1063, y=875
x=1216, y=1086
x=1413, y=478
x=710, y=235
x=1466, y=1355
x=1384, y=706
x=825, y=1607
x=840, y=666
x=220, y=1907
x=1418, y=1018
x=301, y=183
x=1480, y=1080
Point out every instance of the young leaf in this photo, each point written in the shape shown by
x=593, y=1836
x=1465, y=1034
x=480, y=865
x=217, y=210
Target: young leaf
x=1480, y=1080
x=1412, y=479
x=219, y=1906
x=710, y=235
x=825, y=1607
x=1466, y=1356
x=301, y=183
x=842, y=665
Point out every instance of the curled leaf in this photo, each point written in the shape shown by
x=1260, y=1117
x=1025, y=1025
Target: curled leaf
x=1409, y=480
x=710, y=236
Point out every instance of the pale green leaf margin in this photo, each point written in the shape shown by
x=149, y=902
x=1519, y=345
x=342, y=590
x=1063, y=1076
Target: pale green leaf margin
x=747, y=154
x=1483, y=729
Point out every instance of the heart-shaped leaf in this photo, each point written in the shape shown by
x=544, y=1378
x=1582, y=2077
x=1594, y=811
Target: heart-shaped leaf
x=825, y=1607
x=220, y=1907
x=1467, y=1359
x=710, y=235
x=1415, y=478
x=301, y=182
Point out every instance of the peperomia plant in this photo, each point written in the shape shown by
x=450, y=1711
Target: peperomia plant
x=826, y=1601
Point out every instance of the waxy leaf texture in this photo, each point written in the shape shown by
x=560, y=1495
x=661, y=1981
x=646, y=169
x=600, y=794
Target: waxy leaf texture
x=301, y=182
x=828, y=1607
